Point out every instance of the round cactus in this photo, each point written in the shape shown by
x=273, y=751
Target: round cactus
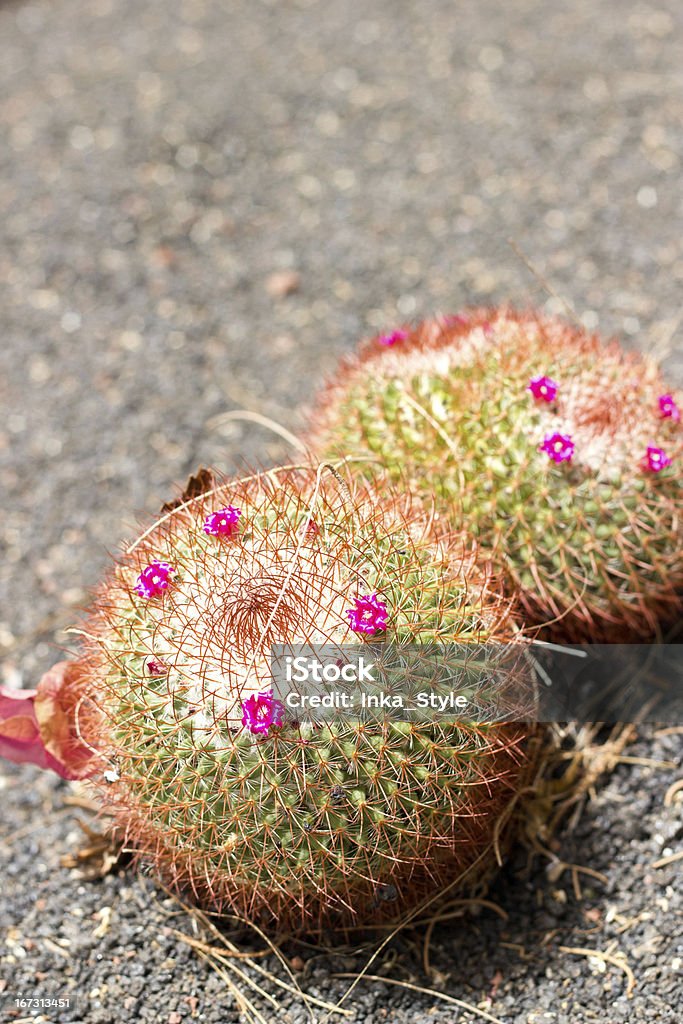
x=299, y=822
x=559, y=453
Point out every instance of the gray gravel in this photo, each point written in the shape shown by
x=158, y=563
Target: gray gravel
x=158, y=164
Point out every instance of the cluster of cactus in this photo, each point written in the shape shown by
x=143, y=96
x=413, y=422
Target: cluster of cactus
x=297, y=822
x=492, y=435
x=561, y=455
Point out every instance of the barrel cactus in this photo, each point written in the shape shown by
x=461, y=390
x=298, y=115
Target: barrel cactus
x=560, y=453
x=296, y=822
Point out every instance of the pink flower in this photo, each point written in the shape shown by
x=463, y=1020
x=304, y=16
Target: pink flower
x=153, y=580
x=312, y=527
x=223, y=523
x=156, y=667
x=668, y=408
x=543, y=389
x=392, y=339
x=655, y=459
x=369, y=616
x=260, y=712
x=558, y=447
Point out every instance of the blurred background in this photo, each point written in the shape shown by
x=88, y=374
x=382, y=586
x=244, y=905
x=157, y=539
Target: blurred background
x=204, y=204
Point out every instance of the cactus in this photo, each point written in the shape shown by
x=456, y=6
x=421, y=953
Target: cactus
x=300, y=823
x=559, y=453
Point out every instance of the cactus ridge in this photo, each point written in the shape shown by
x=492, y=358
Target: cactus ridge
x=592, y=543
x=308, y=823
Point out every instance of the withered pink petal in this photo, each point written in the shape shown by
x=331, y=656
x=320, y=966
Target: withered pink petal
x=19, y=732
x=39, y=726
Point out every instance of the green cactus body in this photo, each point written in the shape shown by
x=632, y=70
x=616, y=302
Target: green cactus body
x=303, y=823
x=592, y=544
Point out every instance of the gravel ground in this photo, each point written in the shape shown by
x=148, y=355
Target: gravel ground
x=166, y=173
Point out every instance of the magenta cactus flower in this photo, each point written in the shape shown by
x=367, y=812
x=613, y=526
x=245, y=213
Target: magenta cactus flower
x=668, y=408
x=224, y=522
x=369, y=614
x=156, y=667
x=656, y=459
x=558, y=447
x=153, y=580
x=543, y=389
x=260, y=712
x=389, y=340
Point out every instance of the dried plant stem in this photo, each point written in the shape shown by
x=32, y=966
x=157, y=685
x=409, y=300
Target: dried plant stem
x=477, y=1011
x=264, y=421
x=609, y=958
